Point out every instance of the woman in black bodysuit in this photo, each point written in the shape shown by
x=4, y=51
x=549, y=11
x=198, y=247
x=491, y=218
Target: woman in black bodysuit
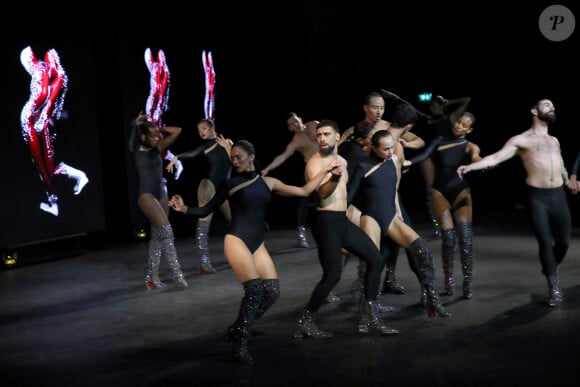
x=452, y=198
x=249, y=194
x=147, y=145
x=216, y=176
x=374, y=190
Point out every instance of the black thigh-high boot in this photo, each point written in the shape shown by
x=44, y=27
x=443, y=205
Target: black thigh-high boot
x=465, y=238
x=270, y=296
x=448, y=249
x=421, y=255
x=238, y=334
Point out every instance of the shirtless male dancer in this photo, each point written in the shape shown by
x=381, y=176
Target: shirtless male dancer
x=333, y=231
x=546, y=177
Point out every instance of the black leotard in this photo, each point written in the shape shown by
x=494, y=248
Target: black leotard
x=248, y=207
x=219, y=162
x=447, y=154
x=150, y=171
x=373, y=193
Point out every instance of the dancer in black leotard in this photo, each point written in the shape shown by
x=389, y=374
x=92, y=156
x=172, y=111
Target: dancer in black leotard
x=374, y=188
x=214, y=177
x=451, y=198
x=146, y=146
x=333, y=231
x=249, y=194
x=352, y=146
x=546, y=177
x=440, y=123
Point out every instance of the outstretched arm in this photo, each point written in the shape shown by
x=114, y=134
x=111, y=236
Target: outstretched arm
x=426, y=153
x=508, y=151
x=278, y=160
x=176, y=202
x=394, y=96
x=184, y=155
x=283, y=189
x=411, y=141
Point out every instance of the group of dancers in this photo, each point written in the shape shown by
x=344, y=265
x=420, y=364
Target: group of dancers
x=351, y=192
x=356, y=207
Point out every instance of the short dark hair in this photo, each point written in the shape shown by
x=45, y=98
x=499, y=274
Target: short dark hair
x=403, y=115
x=330, y=123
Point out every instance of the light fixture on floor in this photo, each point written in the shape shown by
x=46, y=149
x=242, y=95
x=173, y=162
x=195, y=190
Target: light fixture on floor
x=9, y=258
x=140, y=233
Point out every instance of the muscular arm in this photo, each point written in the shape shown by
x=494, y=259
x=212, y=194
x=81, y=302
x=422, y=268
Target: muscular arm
x=328, y=184
x=412, y=141
x=509, y=150
x=283, y=189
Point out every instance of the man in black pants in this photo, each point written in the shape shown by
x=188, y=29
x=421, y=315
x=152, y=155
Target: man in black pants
x=333, y=231
x=546, y=199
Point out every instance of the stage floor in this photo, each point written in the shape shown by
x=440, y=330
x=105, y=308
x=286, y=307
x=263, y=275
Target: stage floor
x=89, y=321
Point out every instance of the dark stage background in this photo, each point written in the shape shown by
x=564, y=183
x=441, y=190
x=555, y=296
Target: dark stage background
x=316, y=58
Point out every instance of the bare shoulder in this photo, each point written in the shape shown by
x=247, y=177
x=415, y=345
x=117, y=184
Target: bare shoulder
x=311, y=125
x=381, y=125
x=555, y=139
x=522, y=139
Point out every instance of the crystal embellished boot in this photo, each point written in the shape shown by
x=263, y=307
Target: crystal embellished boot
x=202, y=243
x=369, y=321
x=555, y=297
x=307, y=328
x=168, y=249
x=424, y=262
x=465, y=237
x=238, y=334
x=448, y=249
x=154, y=251
x=302, y=237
